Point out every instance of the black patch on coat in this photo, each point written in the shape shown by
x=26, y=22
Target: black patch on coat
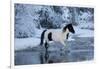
x=50, y=36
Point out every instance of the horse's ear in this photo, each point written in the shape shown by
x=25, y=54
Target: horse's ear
x=69, y=24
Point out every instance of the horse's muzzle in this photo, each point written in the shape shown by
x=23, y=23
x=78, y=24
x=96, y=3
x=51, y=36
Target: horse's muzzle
x=73, y=32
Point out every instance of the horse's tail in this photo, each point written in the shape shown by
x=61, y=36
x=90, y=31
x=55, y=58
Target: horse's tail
x=42, y=37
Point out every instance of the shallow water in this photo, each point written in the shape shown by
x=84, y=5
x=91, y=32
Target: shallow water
x=77, y=51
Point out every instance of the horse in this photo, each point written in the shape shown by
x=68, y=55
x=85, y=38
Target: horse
x=56, y=35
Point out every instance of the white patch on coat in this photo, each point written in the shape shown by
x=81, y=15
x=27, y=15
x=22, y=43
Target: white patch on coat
x=57, y=35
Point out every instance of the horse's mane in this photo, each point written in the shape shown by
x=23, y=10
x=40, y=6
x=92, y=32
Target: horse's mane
x=64, y=29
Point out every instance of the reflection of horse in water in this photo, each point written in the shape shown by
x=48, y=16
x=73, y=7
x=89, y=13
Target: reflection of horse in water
x=57, y=35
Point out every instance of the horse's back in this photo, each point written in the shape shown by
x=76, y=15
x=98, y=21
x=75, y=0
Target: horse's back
x=53, y=34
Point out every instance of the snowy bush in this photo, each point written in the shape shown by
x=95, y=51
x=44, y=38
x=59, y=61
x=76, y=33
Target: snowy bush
x=24, y=26
x=86, y=20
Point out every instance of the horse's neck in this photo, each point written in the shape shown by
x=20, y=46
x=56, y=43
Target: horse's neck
x=66, y=32
x=64, y=35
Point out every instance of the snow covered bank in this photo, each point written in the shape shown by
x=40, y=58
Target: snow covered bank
x=26, y=43
x=83, y=32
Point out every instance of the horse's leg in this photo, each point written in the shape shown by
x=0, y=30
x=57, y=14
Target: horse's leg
x=46, y=52
x=42, y=59
x=46, y=45
x=63, y=43
x=65, y=48
x=42, y=54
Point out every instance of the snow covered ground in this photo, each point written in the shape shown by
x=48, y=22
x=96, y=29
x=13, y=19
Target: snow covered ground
x=24, y=43
x=83, y=32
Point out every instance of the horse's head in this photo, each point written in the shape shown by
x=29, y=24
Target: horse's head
x=70, y=28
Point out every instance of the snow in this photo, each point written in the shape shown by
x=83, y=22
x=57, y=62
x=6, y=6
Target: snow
x=25, y=43
x=83, y=32
x=38, y=33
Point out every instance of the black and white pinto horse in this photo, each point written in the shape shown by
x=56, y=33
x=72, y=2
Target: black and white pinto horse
x=56, y=35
